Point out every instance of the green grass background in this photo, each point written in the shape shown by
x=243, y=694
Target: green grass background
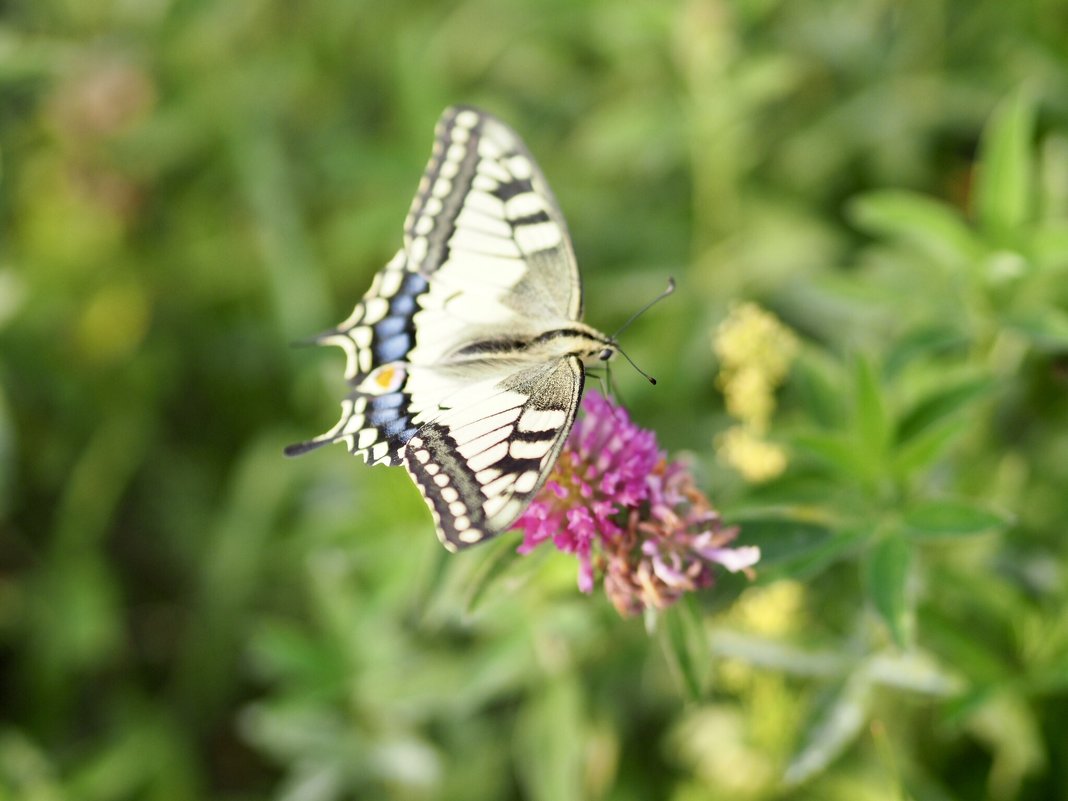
x=187, y=186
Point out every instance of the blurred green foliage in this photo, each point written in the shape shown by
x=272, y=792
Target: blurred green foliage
x=186, y=186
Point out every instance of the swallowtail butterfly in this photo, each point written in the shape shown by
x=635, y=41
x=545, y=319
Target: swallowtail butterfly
x=465, y=357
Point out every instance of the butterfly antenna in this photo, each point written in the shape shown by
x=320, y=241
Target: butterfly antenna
x=667, y=291
x=647, y=377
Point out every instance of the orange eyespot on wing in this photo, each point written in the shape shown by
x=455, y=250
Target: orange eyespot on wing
x=384, y=379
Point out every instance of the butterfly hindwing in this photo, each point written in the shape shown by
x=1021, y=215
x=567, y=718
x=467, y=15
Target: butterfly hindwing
x=478, y=466
x=376, y=417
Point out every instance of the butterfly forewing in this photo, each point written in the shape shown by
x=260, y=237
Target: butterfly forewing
x=485, y=221
x=437, y=356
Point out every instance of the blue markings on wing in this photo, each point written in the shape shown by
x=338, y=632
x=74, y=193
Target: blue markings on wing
x=403, y=303
x=392, y=349
x=388, y=414
x=394, y=334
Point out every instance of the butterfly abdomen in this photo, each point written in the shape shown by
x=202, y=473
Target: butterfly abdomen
x=573, y=339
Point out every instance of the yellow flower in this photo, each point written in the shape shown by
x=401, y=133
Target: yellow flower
x=749, y=396
x=756, y=459
x=752, y=338
x=755, y=352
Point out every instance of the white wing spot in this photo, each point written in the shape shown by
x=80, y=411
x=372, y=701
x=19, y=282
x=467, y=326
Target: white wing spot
x=417, y=250
x=467, y=119
x=376, y=309
x=391, y=282
x=425, y=225
x=539, y=236
x=526, y=482
x=468, y=239
x=493, y=170
x=379, y=451
x=483, y=223
x=351, y=353
x=487, y=475
x=483, y=425
x=485, y=203
x=494, y=505
x=523, y=205
x=433, y=469
x=465, y=532
x=488, y=457
x=432, y=206
x=529, y=450
x=422, y=456
x=489, y=149
x=519, y=166
x=460, y=134
x=457, y=508
x=499, y=485
x=484, y=182
x=366, y=439
x=449, y=494
x=442, y=187
x=362, y=336
x=441, y=479
x=449, y=169
x=542, y=420
x=479, y=444
x=456, y=152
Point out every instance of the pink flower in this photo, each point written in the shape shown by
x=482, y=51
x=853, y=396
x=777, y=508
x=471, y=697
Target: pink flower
x=630, y=516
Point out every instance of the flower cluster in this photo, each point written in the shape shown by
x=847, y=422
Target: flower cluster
x=629, y=515
x=755, y=352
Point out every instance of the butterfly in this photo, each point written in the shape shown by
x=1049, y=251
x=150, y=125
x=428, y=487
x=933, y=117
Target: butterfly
x=465, y=357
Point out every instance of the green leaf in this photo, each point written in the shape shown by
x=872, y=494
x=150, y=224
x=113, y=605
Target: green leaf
x=833, y=449
x=811, y=377
x=935, y=227
x=886, y=575
x=549, y=742
x=924, y=343
x=796, y=547
x=927, y=447
x=1005, y=185
x=1046, y=327
x=686, y=647
x=842, y=545
x=763, y=651
x=938, y=406
x=872, y=423
x=838, y=725
x=782, y=537
x=8, y=461
x=951, y=518
x=1049, y=245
